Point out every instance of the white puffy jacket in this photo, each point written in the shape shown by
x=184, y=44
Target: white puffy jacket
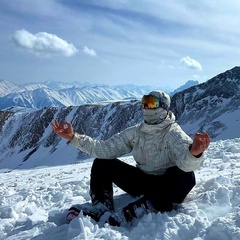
x=154, y=147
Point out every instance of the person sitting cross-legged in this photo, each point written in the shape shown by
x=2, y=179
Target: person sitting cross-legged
x=166, y=158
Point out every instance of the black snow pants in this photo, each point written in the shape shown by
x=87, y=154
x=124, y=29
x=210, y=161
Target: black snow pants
x=161, y=190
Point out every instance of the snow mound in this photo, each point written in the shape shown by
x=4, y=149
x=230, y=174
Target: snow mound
x=33, y=203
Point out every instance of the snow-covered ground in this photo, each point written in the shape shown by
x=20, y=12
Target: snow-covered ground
x=33, y=203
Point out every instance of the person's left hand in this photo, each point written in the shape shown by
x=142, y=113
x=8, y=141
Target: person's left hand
x=200, y=143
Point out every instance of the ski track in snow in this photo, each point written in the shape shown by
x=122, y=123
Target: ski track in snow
x=33, y=203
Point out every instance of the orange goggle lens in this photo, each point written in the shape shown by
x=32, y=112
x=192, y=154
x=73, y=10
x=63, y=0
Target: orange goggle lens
x=150, y=102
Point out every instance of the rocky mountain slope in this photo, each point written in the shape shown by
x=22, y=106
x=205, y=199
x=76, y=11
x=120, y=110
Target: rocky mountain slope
x=212, y=106
x=26, y=136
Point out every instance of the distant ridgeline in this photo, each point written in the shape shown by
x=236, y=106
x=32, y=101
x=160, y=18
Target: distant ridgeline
x=26, y=137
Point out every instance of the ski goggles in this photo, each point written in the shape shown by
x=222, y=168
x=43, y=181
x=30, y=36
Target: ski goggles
x=152, y=102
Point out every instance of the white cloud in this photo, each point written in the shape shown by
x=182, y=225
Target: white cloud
x=191, y=63
x=43, y=44
x=89, y=51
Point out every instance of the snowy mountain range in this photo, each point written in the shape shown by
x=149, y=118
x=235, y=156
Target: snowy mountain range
x=59, y=94
x=26, y=137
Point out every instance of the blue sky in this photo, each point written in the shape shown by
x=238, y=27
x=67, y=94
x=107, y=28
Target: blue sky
x=144, y=42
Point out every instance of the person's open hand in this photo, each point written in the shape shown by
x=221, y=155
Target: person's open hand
x=200, y=143
x=64, y=130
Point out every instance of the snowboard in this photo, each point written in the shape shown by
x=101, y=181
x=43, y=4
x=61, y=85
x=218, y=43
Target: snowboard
x=120, y=201
x=76, y=226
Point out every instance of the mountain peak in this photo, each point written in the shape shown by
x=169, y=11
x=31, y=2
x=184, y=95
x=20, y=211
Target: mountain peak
x=233, y=74
x=187, y=85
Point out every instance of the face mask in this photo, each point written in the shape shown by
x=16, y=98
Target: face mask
x=154, y=116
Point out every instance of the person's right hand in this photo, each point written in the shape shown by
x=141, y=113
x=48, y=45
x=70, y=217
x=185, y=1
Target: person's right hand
x=64, y=130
